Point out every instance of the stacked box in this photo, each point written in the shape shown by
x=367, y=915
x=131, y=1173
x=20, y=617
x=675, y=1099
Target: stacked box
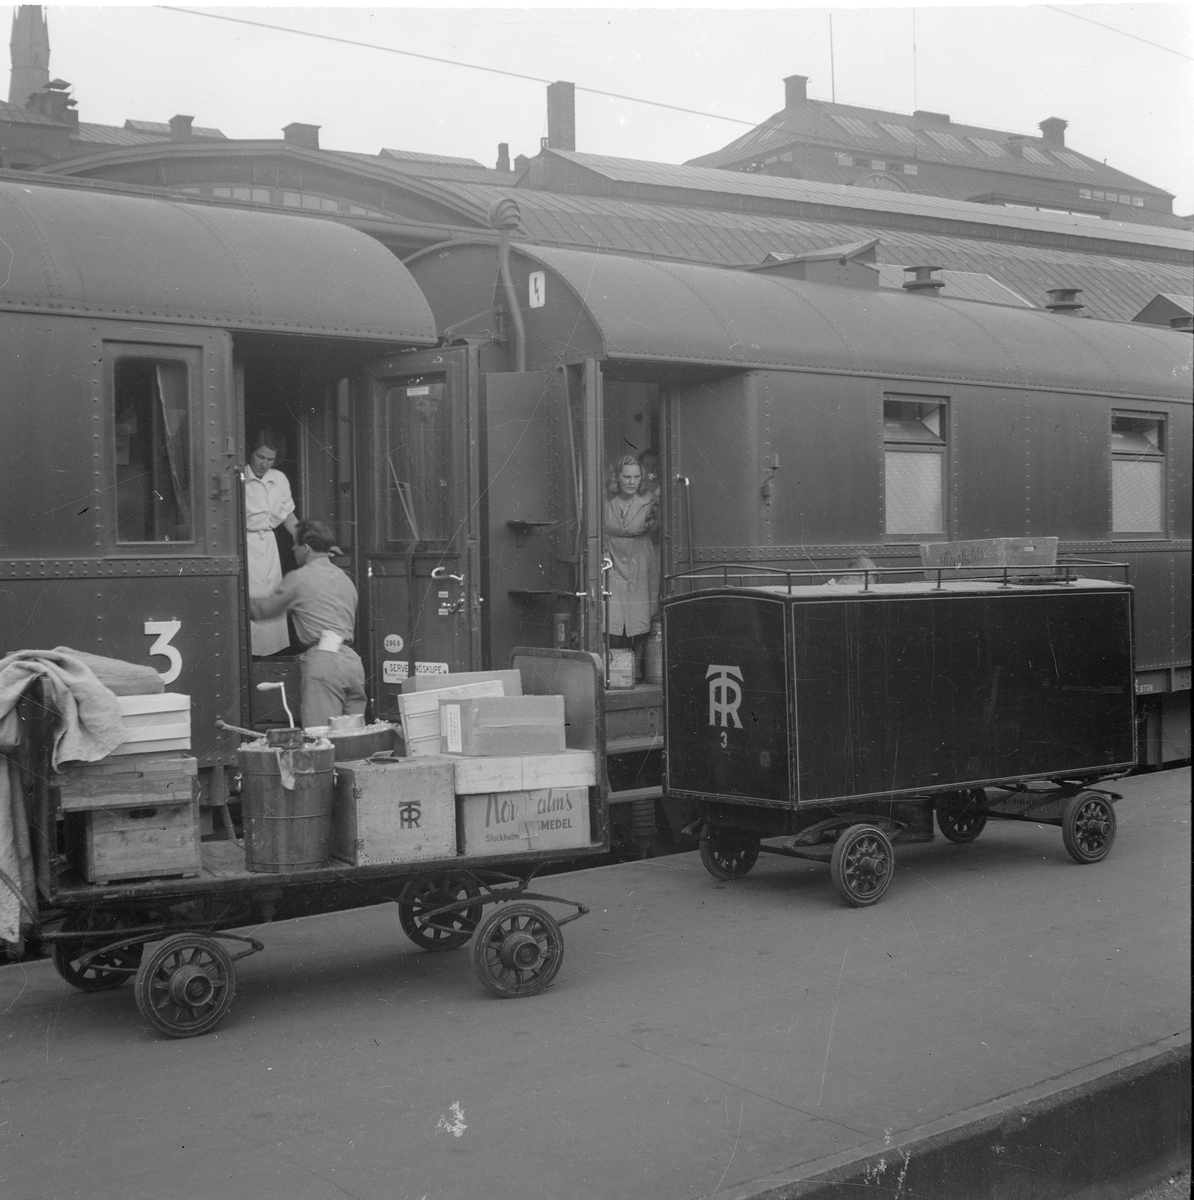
x=511, y=681
x=396, y=811
x=420, y=713
x=127, y=781
x=502, y=725
x=154, y=724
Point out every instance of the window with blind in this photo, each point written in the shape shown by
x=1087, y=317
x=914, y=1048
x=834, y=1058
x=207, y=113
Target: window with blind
x=914, y=468
x=1137, y=473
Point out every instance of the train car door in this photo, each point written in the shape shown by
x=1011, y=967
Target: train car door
x=419, y=519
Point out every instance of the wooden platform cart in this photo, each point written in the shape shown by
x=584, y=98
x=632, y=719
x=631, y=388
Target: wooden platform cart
x=831, y=721
x=174, y=936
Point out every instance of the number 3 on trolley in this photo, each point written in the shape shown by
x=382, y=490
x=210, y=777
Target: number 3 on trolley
x=166, y=630
x=725, y=740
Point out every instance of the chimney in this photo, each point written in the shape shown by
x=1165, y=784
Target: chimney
x=561, y=116
x=1065, y=301
x=298, y=134
x=55, y=102
x=521, y=162
x=795, y=90
x=180, y=128
x=1053, y=130
x=926, y=115
x=922, y=280
x=503, y=162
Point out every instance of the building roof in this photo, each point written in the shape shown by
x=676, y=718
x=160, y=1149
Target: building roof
x=703, y=183
x=920, y=136
x=12, y=114
x=162, y=128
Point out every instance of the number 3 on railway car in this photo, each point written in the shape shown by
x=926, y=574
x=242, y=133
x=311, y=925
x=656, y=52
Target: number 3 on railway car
x=165, y=631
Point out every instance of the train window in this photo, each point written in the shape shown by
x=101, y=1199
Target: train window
x=418, y=462
x=914, y=444
x=1137, y=473
x=151, y=412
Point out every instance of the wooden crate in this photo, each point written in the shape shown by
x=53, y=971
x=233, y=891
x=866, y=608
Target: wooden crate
x=420, y=713
x=155, y=723
x=136, y=842
x=127, y=781
x=394, y=812
x=517, y=822
x=528, y=772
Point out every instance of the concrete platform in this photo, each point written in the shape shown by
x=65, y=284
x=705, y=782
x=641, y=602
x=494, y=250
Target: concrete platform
x=741, y=1039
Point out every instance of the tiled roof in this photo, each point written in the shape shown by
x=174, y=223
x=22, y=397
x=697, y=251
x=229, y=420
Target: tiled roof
x=12, y=114
x=711, y=181
x=1113, y=288
x=111, y=135
x=413, y=156
x=923, y=138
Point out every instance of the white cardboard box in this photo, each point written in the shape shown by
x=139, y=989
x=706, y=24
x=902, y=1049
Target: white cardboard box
x=518, y=822
x=527, y=772
x=510, y=680
x=154, y=724
x=420, y=713
x=394, y=812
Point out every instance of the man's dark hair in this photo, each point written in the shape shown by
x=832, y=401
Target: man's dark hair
x=315, y=534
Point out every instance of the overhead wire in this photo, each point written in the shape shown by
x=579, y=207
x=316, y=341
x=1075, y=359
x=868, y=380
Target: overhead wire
x=1122, y=32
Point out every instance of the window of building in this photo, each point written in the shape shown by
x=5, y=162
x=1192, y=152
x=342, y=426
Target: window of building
x=989, y=148
x=878, y=164
x=1084, y=194
x=1032, y=154
x=947, y=140
x=844, y=160
x=910, y=169
x=151, y=418
x=914, y=445
x=1137, y=473
x=901, y=133
x=855, y=126
x=1137, y=201
x=292, y=199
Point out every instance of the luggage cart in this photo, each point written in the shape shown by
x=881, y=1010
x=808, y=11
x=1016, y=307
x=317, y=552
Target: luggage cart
x=831, y=721
x=174, y=937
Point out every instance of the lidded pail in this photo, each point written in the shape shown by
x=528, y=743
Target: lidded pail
x=287, y=829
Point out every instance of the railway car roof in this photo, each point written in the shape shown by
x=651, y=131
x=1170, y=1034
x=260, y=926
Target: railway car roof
x=96, y=254
x=903, y=589
x=648, y=310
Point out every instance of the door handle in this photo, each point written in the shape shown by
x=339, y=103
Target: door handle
x=444, y=573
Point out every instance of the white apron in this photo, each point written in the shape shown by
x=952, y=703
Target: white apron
x=265, y=577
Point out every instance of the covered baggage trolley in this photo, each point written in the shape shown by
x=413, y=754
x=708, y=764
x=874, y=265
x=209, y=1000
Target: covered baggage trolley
x=828, y=722
x=174, y=936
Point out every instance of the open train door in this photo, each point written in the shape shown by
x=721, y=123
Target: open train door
x=419, y=519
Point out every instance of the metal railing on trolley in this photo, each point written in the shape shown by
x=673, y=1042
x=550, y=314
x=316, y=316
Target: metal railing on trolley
x=1067, y=570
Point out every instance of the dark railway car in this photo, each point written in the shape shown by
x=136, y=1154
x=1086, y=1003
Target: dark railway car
x=140, y=338
x=802, y=424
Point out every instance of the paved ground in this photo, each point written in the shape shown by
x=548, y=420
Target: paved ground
x=700, y=1036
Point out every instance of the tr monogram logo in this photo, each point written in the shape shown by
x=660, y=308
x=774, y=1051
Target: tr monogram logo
x=724, y=695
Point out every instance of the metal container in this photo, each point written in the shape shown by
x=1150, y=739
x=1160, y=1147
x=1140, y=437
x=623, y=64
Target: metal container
x=286, y=829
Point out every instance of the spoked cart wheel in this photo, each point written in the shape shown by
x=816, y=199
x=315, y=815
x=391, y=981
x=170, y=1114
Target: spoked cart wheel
x=728, y=855
x=105, y=970
x=448, y=931
x=959, y=818
x=186, y=986
x=862, y=865
x=1088, y=827
x=518, y=951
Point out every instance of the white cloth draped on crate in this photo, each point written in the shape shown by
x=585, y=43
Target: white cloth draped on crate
x=88, y=727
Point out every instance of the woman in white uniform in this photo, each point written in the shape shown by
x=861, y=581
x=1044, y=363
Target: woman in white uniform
x=268, y=504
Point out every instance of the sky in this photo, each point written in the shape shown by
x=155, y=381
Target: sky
x=1121, y=74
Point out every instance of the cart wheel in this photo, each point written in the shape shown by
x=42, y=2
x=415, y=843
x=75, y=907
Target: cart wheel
x=429, y=892
x=960, y=819
x=729, y=856
x=518, y=951
x=1088, y=827
x=102, y=972
x=862, y=865
x=185, y=987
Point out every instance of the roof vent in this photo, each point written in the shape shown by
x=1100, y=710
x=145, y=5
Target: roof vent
x=1053, y=130
x=795, y=90
x=503, y=159
x=298, y=134
x=1065, y=301
x=504, y=214
x=925, y=114
x=847, y=265
x=923, y=280
x=180, y=128
x=1184, y=324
